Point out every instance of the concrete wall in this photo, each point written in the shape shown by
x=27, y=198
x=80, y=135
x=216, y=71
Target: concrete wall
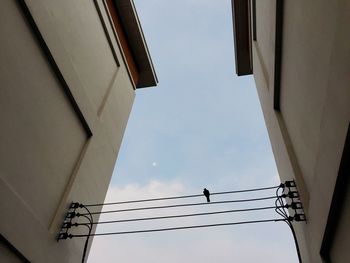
x=8, y=256
x=308, y=133
x=48, y=158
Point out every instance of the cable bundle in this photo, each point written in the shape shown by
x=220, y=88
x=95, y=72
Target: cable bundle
x=79, y=213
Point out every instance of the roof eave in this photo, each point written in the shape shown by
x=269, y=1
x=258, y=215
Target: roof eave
x=137, y=43
x=242, y=39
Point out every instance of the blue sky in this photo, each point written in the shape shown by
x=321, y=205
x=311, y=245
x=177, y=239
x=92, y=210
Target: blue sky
x=201, y=127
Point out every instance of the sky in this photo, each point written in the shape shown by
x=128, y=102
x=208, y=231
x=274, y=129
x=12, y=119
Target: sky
x=202, y=126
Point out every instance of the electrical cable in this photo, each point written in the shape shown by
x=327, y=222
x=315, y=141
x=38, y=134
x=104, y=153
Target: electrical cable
x=88, y=236
x=281, y=208
x=83, y=224
x=182, y=205
x=85, y=216
x=180, y=228
x=282, y=212
x=179, y=216
x=278, y=210
x=280, y=200
x=296, y=242
x=183, y=196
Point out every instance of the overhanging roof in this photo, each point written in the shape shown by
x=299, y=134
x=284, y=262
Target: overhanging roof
x=137, y=43
x=242, y=39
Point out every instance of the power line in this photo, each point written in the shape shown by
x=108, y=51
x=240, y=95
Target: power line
x=179, y=216
x=181, y=205
x=178, y=228
x=280, y=207
x=281, y=211
x=90, y=229
x=184, y=196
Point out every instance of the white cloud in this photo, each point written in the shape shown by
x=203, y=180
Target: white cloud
x=227, y=244
x=152, y=189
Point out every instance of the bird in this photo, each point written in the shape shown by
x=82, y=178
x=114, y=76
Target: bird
x=206, y=194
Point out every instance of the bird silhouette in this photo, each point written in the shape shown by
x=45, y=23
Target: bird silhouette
x=206, y=194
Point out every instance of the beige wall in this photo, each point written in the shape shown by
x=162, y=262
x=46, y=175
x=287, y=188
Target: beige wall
x=47, y=158
x=7, y=255
x=265, y=46
x=308, y=133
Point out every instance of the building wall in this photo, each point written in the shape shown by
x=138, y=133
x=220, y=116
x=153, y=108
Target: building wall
x=58, y=143
x=309, y=131
x=7, y=255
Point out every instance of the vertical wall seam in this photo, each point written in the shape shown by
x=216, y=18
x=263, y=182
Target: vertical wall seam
x=299, y=178
x=54, y=67
x=99, y=12
x=62, y=205
x=278, y=53
x=107, y=93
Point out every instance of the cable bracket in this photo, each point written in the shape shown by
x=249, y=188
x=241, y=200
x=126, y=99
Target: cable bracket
x=293, y=203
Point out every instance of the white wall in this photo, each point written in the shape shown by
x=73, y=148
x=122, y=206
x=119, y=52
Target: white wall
x=308, y=134
x=46, y=158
